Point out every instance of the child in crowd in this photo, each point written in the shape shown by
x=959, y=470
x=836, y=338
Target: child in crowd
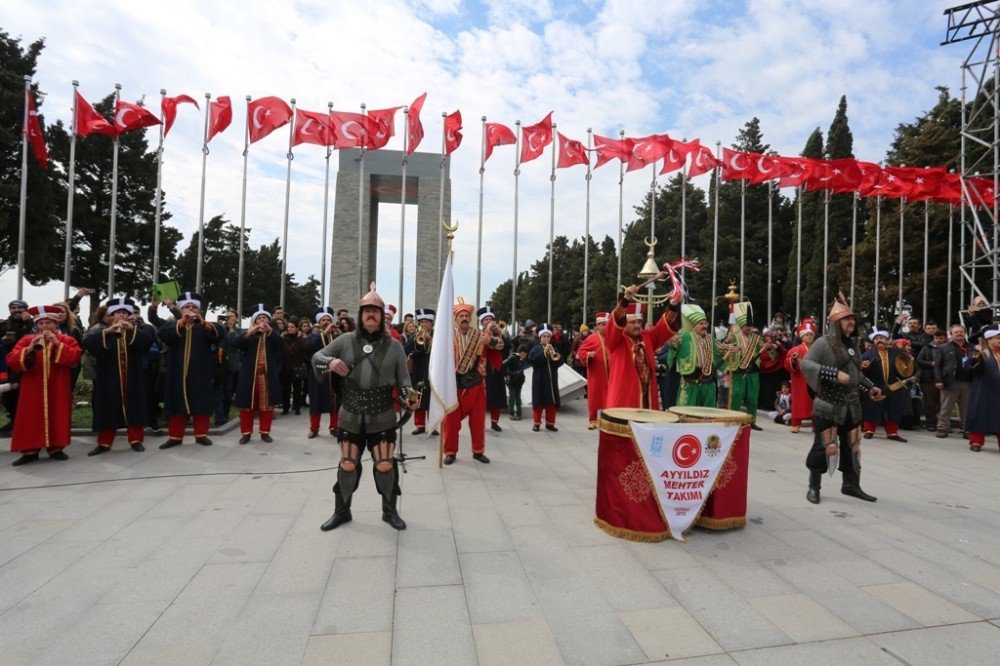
x=782, y=413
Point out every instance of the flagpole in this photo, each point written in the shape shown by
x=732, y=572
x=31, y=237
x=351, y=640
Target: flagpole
x=951, y=241
x=621, y=195
x=326, y=206
x=440, y=264
x=586, y=233
x=201, y=205
x=878, y=246
x=361, y=205
x=715, y=234
x=902, y=207
x=517, y=177
x=684, y=211
x=652, y=237
x=70, y=193
x=157, y=204
x=961, y=257
x=743, y=226
x=854, y=241
x=23, y=211
x=927, y=222
x=288, y=198
x=552, y=221
x=243, y=216
x=798, y=263
x=770, y=243
x=402, y=207
x=479, y=242
x=826, y=245
x=114, y=202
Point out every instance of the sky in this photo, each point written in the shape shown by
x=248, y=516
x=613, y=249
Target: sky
x=688, y=68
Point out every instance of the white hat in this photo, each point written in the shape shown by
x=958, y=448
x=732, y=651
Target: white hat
x=260, y=309
x=875, y=333
x=189, y=298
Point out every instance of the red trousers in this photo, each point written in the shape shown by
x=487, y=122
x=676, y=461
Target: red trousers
x=550, y=414
x=315, y=418
x=592, y=414
x=136, y=434
x=890, y=427
x=979, y=438
x=472, y=404
x=246, y=421
x=420, y=418
x=495, y=415
x=177, y=423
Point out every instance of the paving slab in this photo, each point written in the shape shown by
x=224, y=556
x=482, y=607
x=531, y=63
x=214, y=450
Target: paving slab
x=372, y=649
x=973, y=643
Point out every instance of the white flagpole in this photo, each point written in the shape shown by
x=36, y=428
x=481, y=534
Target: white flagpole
x=402, y=208
x=854, y=241
x=243, y=215
x=440, y=264
x=23, y=211
x=951, y=241
x=326, y=207
x=114, y=203
x=684, y=212
x=770, y=245
x=715, y=235
x=902, y=207
x=743, y=240
x=361, y=205
x=652, y=237
x=586, y=233
x=157, y=204
x=479, y=241
x=552, y=220
x=288, y=198
x=798, y=264
x=878, y=246
x=201, y=205
x=826, y=245
x=70, y=193
x=927, y=222
x=621, y=195
x=517, y=176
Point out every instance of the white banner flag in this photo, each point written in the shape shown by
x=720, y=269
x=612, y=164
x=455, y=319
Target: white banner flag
x=441, y=372
x=683, y=460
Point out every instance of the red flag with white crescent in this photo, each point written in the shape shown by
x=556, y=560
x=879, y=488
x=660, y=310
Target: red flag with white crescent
x=220, y=115
x=571, y=153
x=763, y=168
x=535, y=137
x=169, y=108
x=33, y=129
x=735, y=165
x=129, y=117
x=265, y=115
x=414, y=128
x=611, y=149
x=383, y=127
x=497, y=135
x=350, y=130
x=312, y=127
x=452, y=132
x=702, y=161
x=677, y=155
x=88, y=121
x=647, y=149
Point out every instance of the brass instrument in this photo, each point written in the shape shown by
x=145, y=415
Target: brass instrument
x=502, y=326
x=551, y=353
x=422, y=338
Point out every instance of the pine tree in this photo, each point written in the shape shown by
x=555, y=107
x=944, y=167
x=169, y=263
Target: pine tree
x=839, y=144
x=812, y=223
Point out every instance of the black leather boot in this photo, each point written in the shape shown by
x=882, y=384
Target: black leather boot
x=389, y=513
x=341, y=513
x=815, y=479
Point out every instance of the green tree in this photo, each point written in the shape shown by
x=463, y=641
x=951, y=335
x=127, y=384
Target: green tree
x=812, y=223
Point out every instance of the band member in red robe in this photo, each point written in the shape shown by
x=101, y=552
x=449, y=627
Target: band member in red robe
x=633, y=366
x=390, y=315
x=44, y=361
x=470, y=373
x=802, y=402
x=496, y=390
x=593, y=352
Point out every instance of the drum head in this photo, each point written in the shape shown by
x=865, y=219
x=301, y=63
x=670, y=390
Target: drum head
x=688, y=414
x=623, y=415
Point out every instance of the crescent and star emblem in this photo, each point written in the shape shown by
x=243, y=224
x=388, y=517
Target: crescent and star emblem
x=734, y=162
x=257, y=122
x=305, y=126
x=120, y=118
x=346, y=129
x=531, y=143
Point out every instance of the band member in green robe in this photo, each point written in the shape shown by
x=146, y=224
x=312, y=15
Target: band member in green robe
x=697, y=356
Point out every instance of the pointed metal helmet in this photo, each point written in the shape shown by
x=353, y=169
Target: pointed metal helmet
x=372, y=298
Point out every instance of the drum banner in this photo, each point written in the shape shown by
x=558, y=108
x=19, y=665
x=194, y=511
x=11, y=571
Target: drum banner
x=683, y=461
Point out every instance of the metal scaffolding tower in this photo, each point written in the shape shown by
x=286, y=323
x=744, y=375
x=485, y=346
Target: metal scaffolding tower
x=979, y=24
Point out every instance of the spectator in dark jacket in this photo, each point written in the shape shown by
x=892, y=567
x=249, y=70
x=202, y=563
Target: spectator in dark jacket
x=294, y=369
x=925, y=374
x=953, y=378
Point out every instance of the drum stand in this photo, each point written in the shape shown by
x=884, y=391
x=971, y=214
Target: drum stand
x=400, y=456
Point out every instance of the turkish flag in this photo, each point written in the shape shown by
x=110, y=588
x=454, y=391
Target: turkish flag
x=847, y=175
x=926, y=182
x=870, y=174
x=981, y=191
x=129, y=117
x=702, y=161
x=312, y=127
x=414, y=129
x=497, y=135
x=265, y=115
x=571, y=153
x=535, y=137
x=220, y=115
x=736, y=165
x=647, y=150
x=382, y=123
x=763, y=168
x=821, y=175
x=677, y=155
x=169, y=108
x=950, y=190
x=88, y=121
x=611, y=149
x=33, y=129
x=793, y=171
x=350, y=130
x=894, y=183
x=452, y=132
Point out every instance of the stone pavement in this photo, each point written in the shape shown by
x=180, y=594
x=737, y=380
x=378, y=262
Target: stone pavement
x=501, y=563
